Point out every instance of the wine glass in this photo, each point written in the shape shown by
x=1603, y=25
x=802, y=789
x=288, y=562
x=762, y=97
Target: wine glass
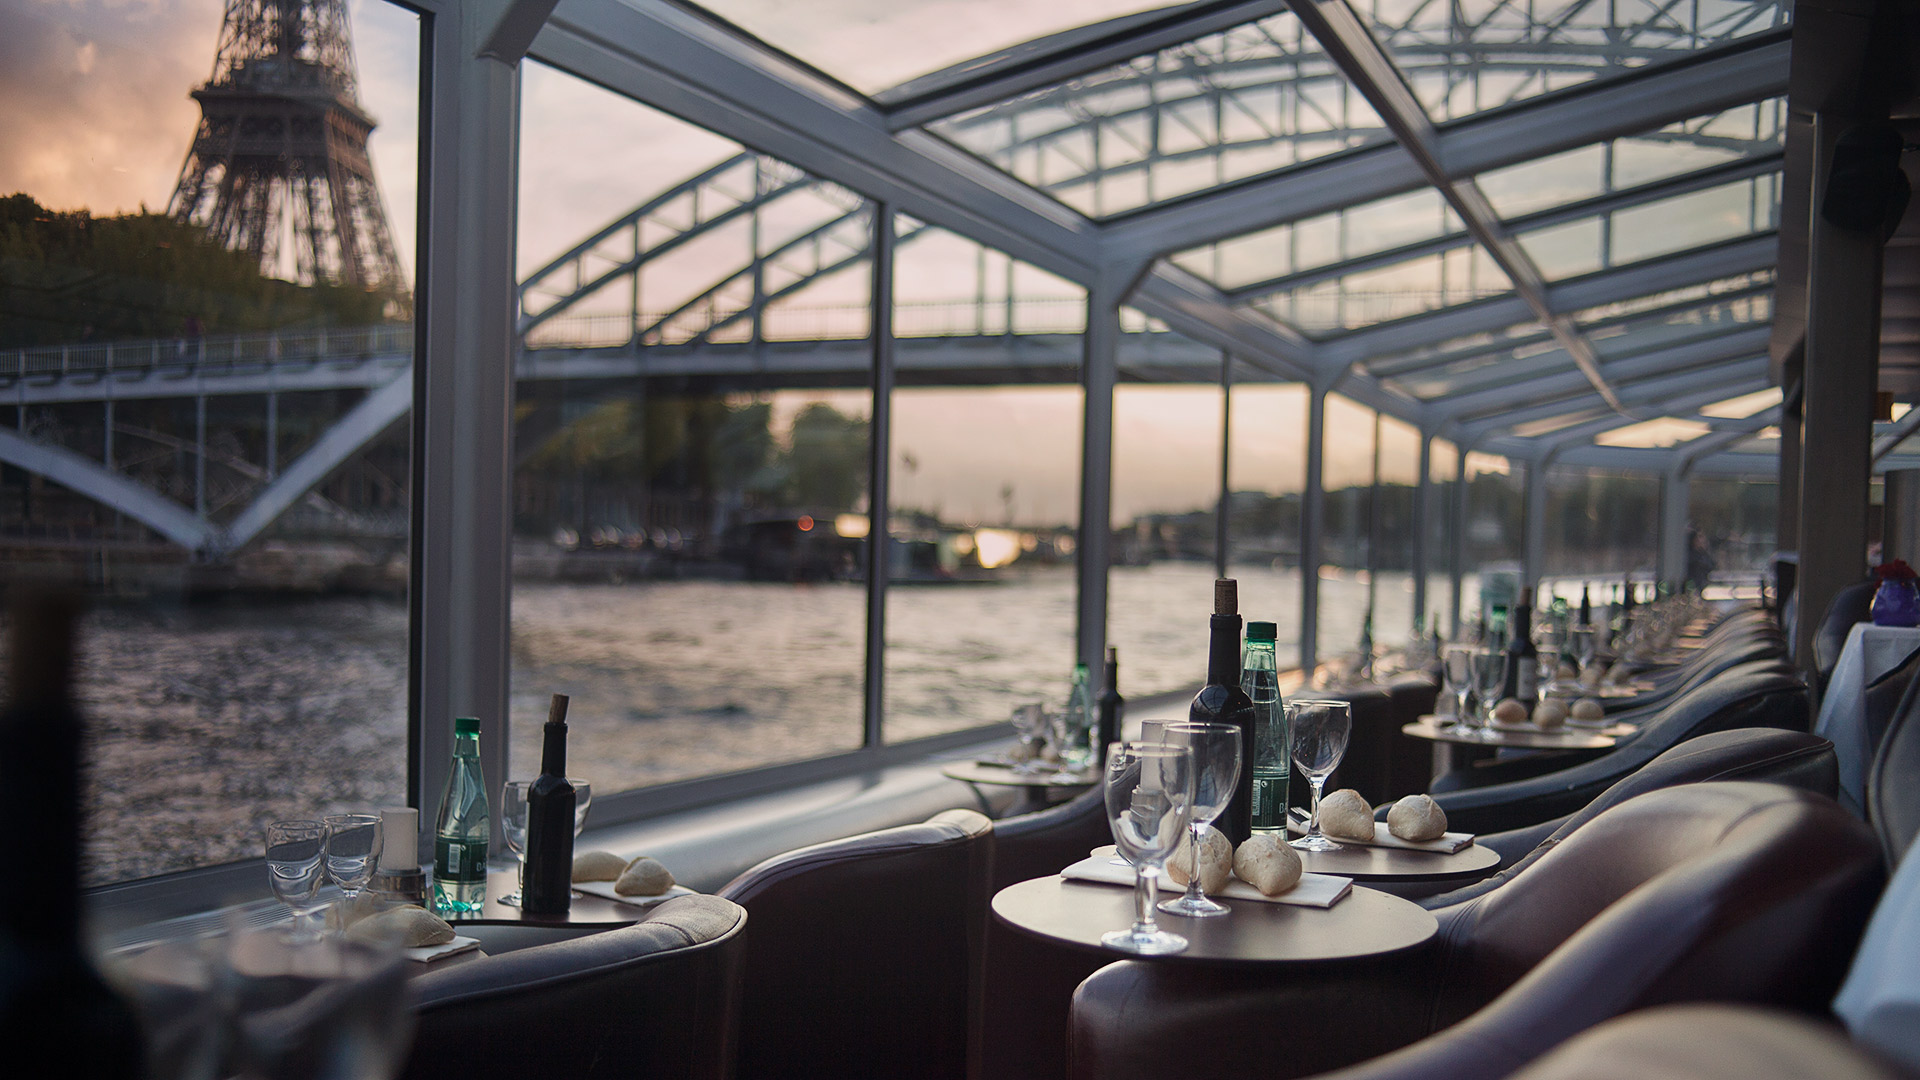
x=1583, y=648
x=353, y=851
x=1030, y=720
x=1149, y=801
x=294, y=851
x=1489, y=677
x=1216, y=769
x=1319, y=730
x=338, y=1009
x=1458, y=669
x=513, y=826
x=582, y=798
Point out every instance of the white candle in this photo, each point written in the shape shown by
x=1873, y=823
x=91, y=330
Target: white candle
x=400, y=840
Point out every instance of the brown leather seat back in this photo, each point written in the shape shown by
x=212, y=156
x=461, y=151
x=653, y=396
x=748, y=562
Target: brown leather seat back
x=865, y=956
x=1716, y=890
x=659, y=997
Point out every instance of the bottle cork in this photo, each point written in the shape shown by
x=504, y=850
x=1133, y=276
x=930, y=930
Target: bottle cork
x=1226, y=596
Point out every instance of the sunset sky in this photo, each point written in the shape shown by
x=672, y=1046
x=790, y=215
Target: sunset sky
x=98, y=116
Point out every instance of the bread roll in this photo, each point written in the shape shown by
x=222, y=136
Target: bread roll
x=1549, y=715
x=644, y=876
x=1268, y=864
x=1510, y=712
x=1417, y=817
x=409, y=925
x=598, y=866
x=1344, y=815
x=1588, y=711
x=364, y=905
x=1216, y=860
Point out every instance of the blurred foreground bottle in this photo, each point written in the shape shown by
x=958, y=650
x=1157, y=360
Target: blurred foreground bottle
x=461, y=831
x=1260, y=678
x=50, y=995
x=1076, y=749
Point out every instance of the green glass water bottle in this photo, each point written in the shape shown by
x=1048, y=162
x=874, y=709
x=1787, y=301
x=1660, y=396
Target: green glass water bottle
x=461, y=831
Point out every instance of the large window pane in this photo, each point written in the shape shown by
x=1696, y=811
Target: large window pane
x=229, y=382
x=1267, y=470
x=985, y=486
x=1345, y=586
x=690, y=490
x=1166, y=486
x=1393, y=531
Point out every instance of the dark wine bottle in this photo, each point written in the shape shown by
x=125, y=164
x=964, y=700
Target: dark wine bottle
x=1112, y=707
x=1523, y=660
x=1586, y=606
x=548, y=889
x=50, y=994
x=1222, y=701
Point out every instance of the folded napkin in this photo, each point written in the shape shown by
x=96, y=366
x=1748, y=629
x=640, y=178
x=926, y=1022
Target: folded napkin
x=605, y=889
x=1448, y=843
x=424, y=953
x=1314, y=890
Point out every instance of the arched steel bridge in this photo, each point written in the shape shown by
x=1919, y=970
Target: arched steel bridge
x=1244, y=93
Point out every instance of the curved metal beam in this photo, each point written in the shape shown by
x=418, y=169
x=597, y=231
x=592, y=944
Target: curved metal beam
x=94, y=480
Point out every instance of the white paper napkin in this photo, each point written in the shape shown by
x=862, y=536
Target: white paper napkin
x=424, y=953
x=1314, y=890
x=605, y=889
x=1447, y=844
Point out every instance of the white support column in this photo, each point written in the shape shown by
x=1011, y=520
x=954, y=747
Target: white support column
x=1422, y=523
x=1533, y=536
x=463, y=392
x=1313, y=512
x=1100, y=370
x=1674, y=498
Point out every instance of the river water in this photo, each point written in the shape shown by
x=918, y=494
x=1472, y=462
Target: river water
x=211, y=720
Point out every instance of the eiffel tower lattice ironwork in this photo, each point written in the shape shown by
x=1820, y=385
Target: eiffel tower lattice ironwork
x=280, y=156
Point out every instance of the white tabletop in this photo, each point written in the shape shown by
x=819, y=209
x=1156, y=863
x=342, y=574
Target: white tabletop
x=1871, y=651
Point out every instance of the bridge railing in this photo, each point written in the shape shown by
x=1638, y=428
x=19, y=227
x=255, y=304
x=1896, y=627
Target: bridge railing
x=209, y=355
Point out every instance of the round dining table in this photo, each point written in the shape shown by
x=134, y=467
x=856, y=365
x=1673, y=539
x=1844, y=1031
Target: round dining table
x=1363, y=923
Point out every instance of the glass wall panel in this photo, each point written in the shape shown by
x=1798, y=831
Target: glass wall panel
x=1600, y=524
x=1443, y=474
x=691, y=473
x=1465, y=57
x=985, y=486
x=1245, y=101
x=183, y=351
x=1393, y=532
x=1346, y=588
x=1492, y=532
x=1267, y=469
x=1739, y=520
x=1166, y=491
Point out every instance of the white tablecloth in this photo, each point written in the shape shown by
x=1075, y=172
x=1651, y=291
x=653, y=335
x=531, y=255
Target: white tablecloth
x=1880, y=1001
x=1871, y=652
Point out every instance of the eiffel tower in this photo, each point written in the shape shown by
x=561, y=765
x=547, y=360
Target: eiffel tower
x=280, y=156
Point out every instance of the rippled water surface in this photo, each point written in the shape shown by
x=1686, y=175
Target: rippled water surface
x=211, y=720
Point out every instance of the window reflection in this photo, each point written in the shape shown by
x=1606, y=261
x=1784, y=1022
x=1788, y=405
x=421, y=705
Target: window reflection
x=223, y=383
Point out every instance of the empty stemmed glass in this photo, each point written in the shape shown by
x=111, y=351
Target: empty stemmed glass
x=513, y=826
x=353, y=851
x=1489, y=678
x=1149, y=802
x=1216, y=769
x=1319, y=740
x=1457, y=667
x=294, y=852
x=582, y=798
x=1030, y=720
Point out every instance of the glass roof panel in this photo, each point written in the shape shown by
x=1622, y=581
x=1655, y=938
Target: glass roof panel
x=1737, y=134
x=1528, y=361
x=1297, y=247
x=1246, y=101
x=1665, y=431
x=1396, y=291
x=1745, y=405
x=1468, y=56
x=874, y=44
x=1659, y=227
x=1617, y=340
x=1454, y=350
x=1740, y=284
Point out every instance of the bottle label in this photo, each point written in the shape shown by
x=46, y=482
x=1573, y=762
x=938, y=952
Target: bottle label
x=459, y=860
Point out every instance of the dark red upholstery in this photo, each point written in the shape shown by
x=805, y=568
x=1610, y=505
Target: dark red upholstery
x=1722, y=891
x=865, y=957
x=658, y=998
